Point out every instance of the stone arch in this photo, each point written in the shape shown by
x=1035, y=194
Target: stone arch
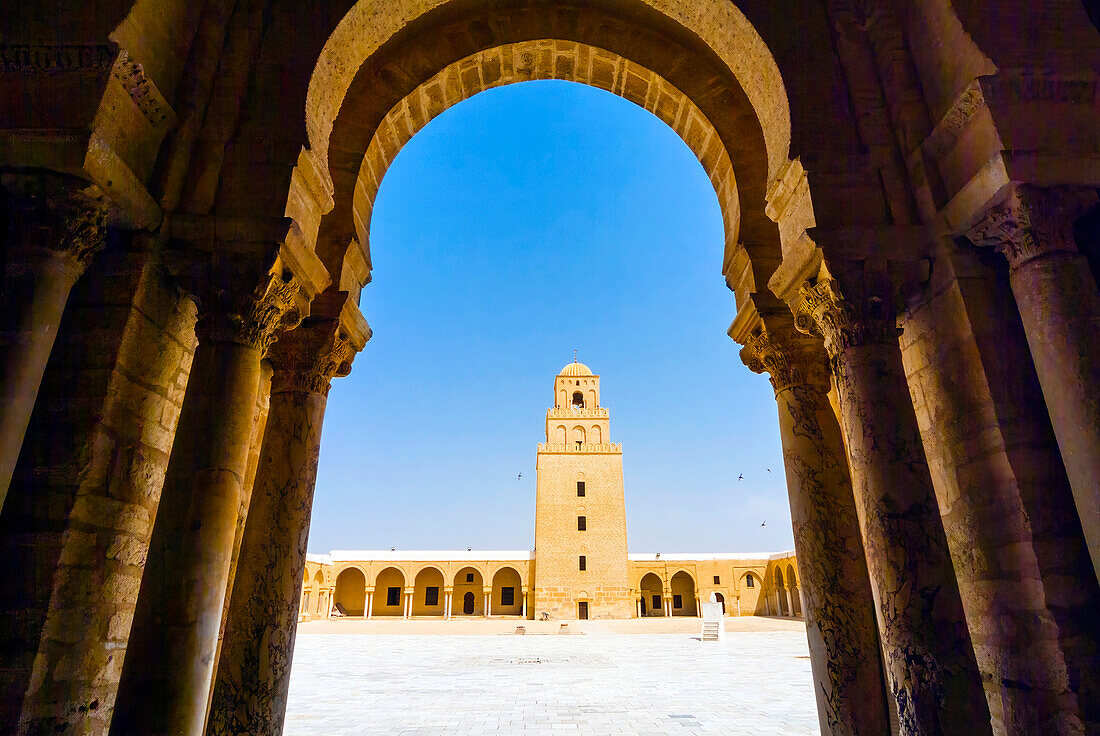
x=791, y=579
x=652, y=590
x=699, y=65
x=577, y=434
x=384, y=603
x=683, y=587
x=507, y=576
x=596, y=435
x=476, y=587
x=350, y=594
x=424, y=603
x=559, y=435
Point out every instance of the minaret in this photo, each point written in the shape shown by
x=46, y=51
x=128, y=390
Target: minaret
x=581, y=565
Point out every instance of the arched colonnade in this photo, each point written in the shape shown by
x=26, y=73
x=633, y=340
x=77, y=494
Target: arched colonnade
x=910, y=209
x=448, y=590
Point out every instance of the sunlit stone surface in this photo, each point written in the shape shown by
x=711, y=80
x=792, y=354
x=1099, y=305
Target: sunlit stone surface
x=754, y=683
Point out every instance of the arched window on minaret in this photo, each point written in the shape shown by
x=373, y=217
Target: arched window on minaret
x=578, y=435
x=578, y=400
x=597, y=434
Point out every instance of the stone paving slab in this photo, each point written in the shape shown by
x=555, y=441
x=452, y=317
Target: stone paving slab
x=751, y=684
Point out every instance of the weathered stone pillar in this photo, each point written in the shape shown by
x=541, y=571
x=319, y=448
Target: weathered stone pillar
x=165, y=679
x=929, y=657
x=76, y=525
x=1059, y=306
x=253, y=677
x=1024, y=572
x=839, y=608
x=447, y=592
x=488, y=602
x=524, y=593
x=370, y=604
x=56, y=226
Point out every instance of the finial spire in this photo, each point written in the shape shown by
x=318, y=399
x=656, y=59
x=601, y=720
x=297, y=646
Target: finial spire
x=574, y=355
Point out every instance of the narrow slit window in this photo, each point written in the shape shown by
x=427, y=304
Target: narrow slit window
x=580, y=489
x=582, y=523
x=717, y=579
x=584, y=563
x=749, y=582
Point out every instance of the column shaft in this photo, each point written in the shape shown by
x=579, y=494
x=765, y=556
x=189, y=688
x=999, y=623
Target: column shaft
x=1060, y=310
x=1004, y=498
x=166, y=676
x=927, y=648
x=253, y=676
x=1059, y=305
x=25, y=355
x=370, y=605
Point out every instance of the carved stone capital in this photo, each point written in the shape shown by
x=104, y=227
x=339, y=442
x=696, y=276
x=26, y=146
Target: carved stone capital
x=788, y=357
x=55, y=213
x=309, y=357
x=253, y=318
x=843, y=323
x=1032, y=221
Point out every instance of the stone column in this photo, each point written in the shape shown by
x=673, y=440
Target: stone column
x=447, y=593
x=488, y=602
x=253, y=677
x=638, y=607
x=790, y=602
x=929, y=657
x=166, y=676
x=523, y=592
x=370, y=604
x=57, y=224
x=1059, y=304
x=408, y=602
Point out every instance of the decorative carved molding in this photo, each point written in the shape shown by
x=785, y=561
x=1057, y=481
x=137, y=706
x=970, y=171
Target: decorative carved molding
x=253, y=319
x=787, y=359
x=145, y=94
x=823, y=310
x=308, y=358
x=1032, y=221
x=55, y=59
x=965, y=108
x=57, y=213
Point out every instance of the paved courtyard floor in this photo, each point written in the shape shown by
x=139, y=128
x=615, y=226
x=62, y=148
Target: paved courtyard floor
x=604, y=682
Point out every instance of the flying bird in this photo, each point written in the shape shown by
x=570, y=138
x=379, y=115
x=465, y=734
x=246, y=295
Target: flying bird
x=740, y=476
x=519, y=476
x=769, y=470
x=765, y=521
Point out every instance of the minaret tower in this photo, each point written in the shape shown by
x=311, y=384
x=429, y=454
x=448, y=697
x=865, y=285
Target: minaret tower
x=581, y=568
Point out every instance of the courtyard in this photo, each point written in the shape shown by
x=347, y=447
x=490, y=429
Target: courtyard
x=648, y=677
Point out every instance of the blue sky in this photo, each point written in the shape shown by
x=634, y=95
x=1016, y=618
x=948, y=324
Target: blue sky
x=524, y=223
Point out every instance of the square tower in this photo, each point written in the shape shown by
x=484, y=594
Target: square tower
x=581, y=568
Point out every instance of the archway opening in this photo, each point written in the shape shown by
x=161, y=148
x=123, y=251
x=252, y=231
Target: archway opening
x=428, y=598
x=683, y=595
x=389, y=593
x=469, y=587
x=652, y=590
x=319, y=594
x=351, y=592
x=507, y=598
